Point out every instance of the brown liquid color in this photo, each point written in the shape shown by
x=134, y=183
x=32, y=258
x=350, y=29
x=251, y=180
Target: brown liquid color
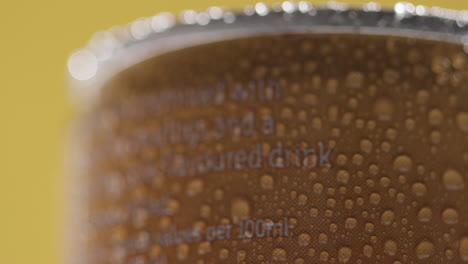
x=283, y=149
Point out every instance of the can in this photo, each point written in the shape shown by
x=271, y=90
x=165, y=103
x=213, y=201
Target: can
x=288, y=133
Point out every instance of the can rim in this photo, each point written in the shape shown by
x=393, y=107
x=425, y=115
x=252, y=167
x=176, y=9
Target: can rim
x=109, y=52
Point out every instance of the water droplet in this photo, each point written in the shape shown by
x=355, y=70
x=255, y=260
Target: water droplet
x=391, y=76
x=323, y=238
x=299, y=261
x=424, y=250
x=385, y=146
x=205, y=211
x=450, y=216
x=440, y=64
x=241, y=254
x=435, y=117
x=341, y=160
x=218, y=194
x=459, y=60
x=425, y=214
x=387, y=217
x=83, y=65
x=385, y=182
x=367, y=251
x=344, y=254
x=353, y=103
x=463, y=248
x=342, y=176
x=436, y=137
x=419, y=189
x=402, y=163
x=324, y=256
x=311, y=99
x=449, y=254
x=374, y=198
x=279, y=254
x=350, y=223
x=400, y=197
x=366, y=145
x=317, y=188
x=384, y=109
x=355, y=80
x=453, y=180
x=349, y=204
x=240, y=209
x=304, y=239
x=316, y=123
x=369, y=227
x=357, y=159
x=182, y=251
x=194, y=187
x=332, y=86
x=390, y=247
x=267, y=182
x=204, y=248
x=224, y=253
x=302, y=199
x=462, y=121
x=422, y=97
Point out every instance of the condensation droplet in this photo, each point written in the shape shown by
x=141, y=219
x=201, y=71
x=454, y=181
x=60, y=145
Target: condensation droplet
x=342, y=176
x=324, y=256
x=425, y=214
x=182, y=251
x=313, y=212
x=390, y=248
x=369, y=227
x=436, y=137
x=419, y=189
x=384, y=109
x=366, y=145
x=279, y=254
x=453, y=180
x=194, y=187
x=241, y=254
x=317, y=188
x=367, y=251
x=350, y=223
x=424, y=250
x=267, y=182
x=83, y=65
x=344, y=254
x=302, y=199
x=462, y=121
x=440, y=64
x=204, y=248
x=224, y=253
x=435, y=117
x=218, y=194
x=355, y=79
x=450, y=216
x=240, y=209
x=463, y=248
x=323, y=238
x=304, y=239
x=422, y=97
x=403, y=163
x=387, y=217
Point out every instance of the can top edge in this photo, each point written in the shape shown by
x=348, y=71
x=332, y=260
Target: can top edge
x=216, y=23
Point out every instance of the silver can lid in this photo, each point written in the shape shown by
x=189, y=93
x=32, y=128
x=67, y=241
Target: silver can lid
x=109, y=52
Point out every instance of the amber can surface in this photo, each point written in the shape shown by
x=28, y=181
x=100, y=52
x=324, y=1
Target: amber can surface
x=283, y=134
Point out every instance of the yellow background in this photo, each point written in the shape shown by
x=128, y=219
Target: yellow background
x=36, y=38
